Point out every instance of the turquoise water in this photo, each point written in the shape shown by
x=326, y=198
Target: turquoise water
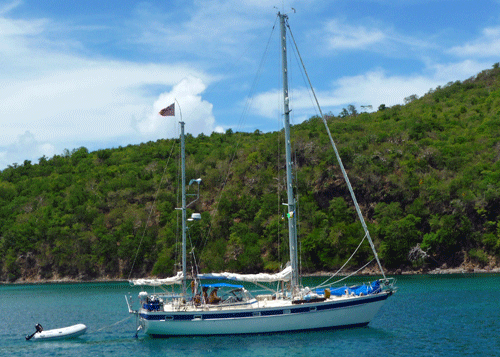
x=429, y=316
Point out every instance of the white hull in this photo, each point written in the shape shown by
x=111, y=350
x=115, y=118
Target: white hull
x=61, y=333
x=276, y=316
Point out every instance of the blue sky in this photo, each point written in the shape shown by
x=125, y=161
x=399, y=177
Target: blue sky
x=96, y=73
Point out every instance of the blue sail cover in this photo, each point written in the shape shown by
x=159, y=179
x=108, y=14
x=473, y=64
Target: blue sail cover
x=364, y=289
x=222, y=285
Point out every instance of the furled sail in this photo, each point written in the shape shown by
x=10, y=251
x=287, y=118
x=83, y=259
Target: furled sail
x=158, y=282
x=284, y=275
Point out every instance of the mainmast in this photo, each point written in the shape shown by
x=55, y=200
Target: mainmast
x=292, y=226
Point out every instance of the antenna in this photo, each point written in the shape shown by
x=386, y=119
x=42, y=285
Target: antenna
x=293, y=9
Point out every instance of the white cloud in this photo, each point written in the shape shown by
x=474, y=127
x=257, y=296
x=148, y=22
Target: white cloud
x=72, y=108
x=377, y=87
x=219, y=129
x=52, y=97
x=343, y=36
x=211, y=29
x=264, y=104
x=371, y=88
x=25, y=147
x=88, y=101
x=7, y=7
x=218, y=29
x=444, y=73
x=488, y=45
x=196, y=112
x=60, y=89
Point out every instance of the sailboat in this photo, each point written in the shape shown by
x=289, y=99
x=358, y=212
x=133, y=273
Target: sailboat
x=291, y=307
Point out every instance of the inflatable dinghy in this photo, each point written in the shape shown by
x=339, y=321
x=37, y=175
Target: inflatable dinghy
x=57, y=334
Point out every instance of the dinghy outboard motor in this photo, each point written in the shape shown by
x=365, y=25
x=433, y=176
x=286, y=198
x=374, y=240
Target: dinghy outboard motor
x=38, y=328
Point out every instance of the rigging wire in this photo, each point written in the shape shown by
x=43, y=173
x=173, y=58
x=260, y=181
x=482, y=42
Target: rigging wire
x=280, y=137
x=278, y=184
x=241, y=122
x=178, y=232
x=253, y=88
x=342, y=267
x=194, y=263
x=348, y=276
x=303, y=75
x=358, y=210
x=294, y=164
x=151, y=210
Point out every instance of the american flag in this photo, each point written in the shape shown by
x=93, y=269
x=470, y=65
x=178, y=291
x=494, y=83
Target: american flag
x=168, y=111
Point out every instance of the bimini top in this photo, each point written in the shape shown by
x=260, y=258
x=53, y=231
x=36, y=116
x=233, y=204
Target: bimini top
x=158, y=282
x=284, y=275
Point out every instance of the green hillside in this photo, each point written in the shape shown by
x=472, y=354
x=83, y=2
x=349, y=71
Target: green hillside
x=426, y=175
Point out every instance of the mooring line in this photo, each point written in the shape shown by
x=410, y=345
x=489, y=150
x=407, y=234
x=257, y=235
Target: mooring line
x=116, y=323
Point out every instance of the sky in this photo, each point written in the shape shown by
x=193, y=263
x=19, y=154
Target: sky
x=96, y=73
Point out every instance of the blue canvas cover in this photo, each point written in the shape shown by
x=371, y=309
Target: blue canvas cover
x=364, y=289
x=222, y=285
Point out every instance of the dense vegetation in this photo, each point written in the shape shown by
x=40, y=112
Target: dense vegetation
x=426, y=176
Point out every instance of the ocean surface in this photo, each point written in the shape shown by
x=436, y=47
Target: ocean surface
x=438, y=315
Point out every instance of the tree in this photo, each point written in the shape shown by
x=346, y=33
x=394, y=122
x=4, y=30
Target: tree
x=352, y=110
x=411, y=98
x=349, y=112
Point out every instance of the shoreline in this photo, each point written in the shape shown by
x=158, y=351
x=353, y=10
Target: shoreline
x=436, y=271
